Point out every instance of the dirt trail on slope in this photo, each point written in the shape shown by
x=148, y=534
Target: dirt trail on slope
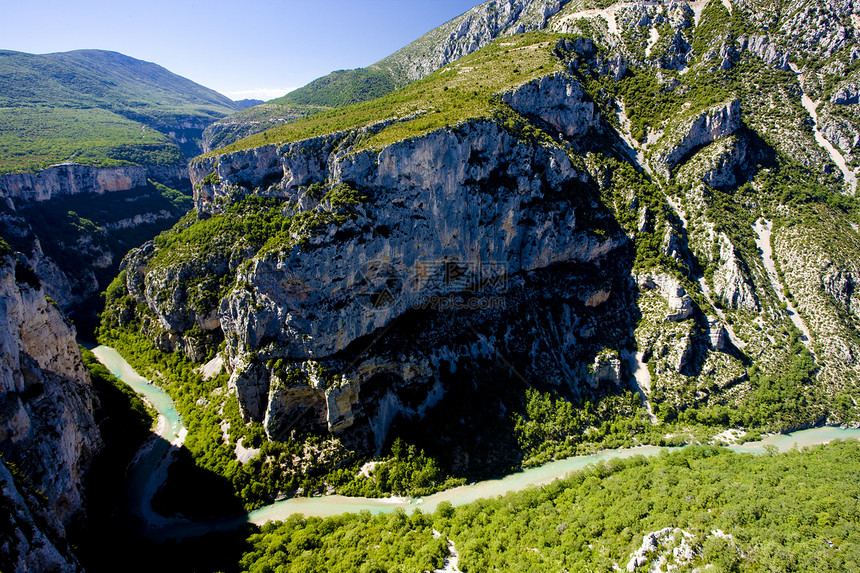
x=836, y=156
x=763, y=231
x=452, y=562
x=607, y=14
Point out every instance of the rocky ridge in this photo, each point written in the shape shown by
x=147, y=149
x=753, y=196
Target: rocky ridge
x=468, y=33
x=71, y=179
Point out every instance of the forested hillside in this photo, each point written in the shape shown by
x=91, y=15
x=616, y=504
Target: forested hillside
x=99, y=108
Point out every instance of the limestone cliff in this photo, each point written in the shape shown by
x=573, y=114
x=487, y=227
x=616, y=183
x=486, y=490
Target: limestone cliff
x=32, y=538
x=648, y=203
x=65, y=180
x=47, y=427
x=472, y=215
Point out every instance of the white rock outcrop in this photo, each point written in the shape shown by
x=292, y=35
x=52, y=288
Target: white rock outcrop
x=467, y=33
x=558, y=100
x=710, y=125
x=731, y=281
x=761, y=46
x=680, y=303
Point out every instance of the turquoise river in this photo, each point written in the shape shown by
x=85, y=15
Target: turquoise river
x=151, y=467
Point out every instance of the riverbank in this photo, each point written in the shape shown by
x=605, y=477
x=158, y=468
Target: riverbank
x=150, y=471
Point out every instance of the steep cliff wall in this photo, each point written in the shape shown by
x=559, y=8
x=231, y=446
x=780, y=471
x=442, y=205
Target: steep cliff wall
x=47, y=429
x=32, y=538
x=74, y=223
x=452, y=227
x=47, y=425
x=64, y=180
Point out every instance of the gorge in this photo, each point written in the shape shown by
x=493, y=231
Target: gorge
x=543, y=230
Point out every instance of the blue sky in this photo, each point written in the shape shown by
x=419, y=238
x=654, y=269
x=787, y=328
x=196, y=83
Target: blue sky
x=242, y=48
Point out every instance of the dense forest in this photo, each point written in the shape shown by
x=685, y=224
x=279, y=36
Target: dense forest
x=698, y=506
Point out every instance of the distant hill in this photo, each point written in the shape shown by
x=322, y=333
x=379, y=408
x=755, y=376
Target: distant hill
x=451, y=41
x=246, y=103
x=340, y=88
x=99, y=107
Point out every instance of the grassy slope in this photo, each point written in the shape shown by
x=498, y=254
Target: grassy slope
x=89, y=78
x=38, y=136
x=340, y=88
x=89, y=105
x=460, y=91
x=347, y=87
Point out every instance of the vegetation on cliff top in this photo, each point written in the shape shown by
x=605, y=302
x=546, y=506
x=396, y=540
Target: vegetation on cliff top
x=463, y=90
x=35, y=137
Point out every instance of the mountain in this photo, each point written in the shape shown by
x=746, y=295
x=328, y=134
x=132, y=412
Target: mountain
x=442, y=45
x=246, y=103
x=99, y=107
x=93, y=148
x=637, y=226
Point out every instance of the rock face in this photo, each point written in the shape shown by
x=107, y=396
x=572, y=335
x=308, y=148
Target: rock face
x=453, y=226
x=731, y=279
x=762, y=47
x=842, y=286
x=725, y=166
x=445, y=188
x=46, y=422
x=33, y=539
x=680, y=303
x=81, y=179
x=540, y=230
x=846, y=95
x=559, y=101
x=605, y=368
x=713, y=124
x=468, y=33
